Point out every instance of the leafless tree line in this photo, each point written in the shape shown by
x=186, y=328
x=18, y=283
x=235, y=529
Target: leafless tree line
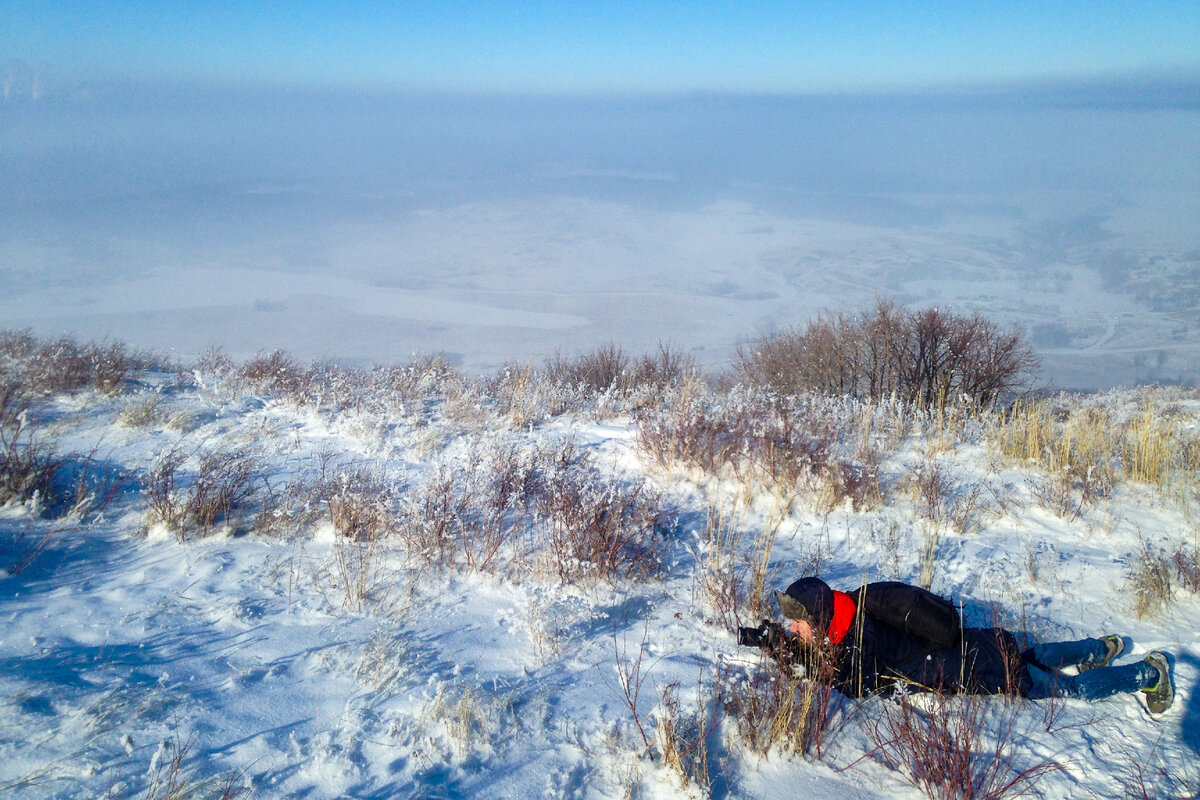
x=925, y=357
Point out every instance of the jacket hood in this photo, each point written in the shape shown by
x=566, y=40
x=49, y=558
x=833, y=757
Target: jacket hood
x=809, y=599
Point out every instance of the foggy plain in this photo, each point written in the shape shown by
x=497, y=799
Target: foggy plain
x=366, y=227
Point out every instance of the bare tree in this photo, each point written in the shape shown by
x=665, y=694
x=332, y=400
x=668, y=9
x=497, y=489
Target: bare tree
x=926, y=357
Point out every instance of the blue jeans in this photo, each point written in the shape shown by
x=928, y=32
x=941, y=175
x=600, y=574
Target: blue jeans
x=1044, y=661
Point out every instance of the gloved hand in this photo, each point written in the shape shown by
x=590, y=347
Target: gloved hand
x=768, y=635
x=774, y=635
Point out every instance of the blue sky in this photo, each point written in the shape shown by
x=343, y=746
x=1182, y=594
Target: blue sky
x=606, y=47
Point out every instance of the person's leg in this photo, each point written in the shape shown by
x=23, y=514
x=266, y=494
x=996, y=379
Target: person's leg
x=1056, y=655
x=1094, y=684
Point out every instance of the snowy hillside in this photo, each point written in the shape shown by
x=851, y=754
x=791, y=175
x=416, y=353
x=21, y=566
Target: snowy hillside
x=271, y=580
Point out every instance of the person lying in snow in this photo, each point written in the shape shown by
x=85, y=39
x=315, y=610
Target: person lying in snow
x=890, y=633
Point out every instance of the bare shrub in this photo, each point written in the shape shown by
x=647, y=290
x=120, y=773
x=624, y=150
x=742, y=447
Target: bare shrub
x=697, y=432
x=682, y=735
x=505, y=504
x=526, y=396
x=608, y=378
x=927, y=357
x=360, y=503
x=214, y=363
x=631, y=675
x=27, y=546
x=16, y=347
x=300, y=503
x=1152, y=777
x=795, y=361
x=1149, y=580
x=508, y=490
x=966, y=507
x=940, y=501
x=432, y=517
x=601, y=527
x=170, y=779
x=272, y=373
x=724, y=581
x=323, y=385
x=361, y=506
x=791, y=456
x=603, y=369
x=223, y=484
x=413, y=389
x=15, y=404
x=956, y=748
x=1186, y=561
x=944, y=498
x=856, y=483
x=28, y=463
x=789, y=705
x=285, y=510
x=65, y=365
x=471, y=509
x=33, y=471
x=784, y=445
x=933, y=485
x=89, y=484
x=357, y=501
x=666, y=368
x=465, y=509
x=1054, y=492
x=520, y=394
x=110, y=366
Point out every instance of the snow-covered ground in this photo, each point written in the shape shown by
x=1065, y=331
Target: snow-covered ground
x=287, y=660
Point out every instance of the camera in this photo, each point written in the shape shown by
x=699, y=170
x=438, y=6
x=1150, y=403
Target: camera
x=768, y=634
x=751, y=637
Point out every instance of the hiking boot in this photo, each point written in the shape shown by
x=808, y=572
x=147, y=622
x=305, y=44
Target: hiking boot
x=1115, y=645
x=1160, y=695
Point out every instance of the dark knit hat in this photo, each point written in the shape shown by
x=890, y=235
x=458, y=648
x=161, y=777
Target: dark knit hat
x=809, y=599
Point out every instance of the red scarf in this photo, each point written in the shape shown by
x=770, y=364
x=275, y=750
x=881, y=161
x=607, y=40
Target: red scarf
x=843, y=616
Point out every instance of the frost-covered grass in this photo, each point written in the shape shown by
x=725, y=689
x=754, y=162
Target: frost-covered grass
x=272, y=579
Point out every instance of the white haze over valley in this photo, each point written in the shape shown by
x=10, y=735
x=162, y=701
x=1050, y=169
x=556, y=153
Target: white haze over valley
x=368, y=227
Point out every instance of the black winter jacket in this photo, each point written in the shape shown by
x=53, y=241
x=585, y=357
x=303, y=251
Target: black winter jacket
x=912, y=638
x=875, y=656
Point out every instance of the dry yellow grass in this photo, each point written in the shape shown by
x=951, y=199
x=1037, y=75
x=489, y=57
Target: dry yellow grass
x=1089, y=447
x=1149, y=448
